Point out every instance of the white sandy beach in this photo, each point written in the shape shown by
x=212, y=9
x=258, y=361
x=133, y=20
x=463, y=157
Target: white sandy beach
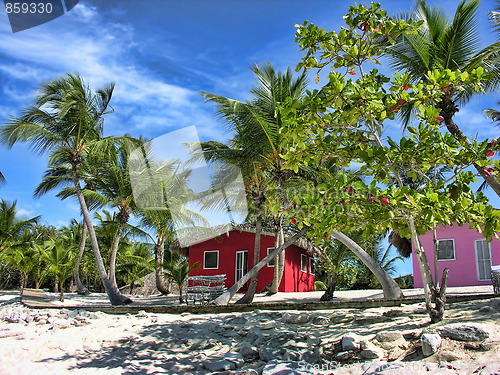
x=61, y=341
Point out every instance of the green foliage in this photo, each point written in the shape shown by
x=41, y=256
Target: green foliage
x=405, y=282
x=344, y=121
x=319, y=286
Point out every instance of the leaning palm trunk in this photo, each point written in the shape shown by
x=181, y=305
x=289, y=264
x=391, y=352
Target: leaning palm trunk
x=159, y=255
x=114, y=295
x=224, y=298
x=81, y=289
x=390, y=287
x=252, y=288
x=114, y=251
x=279, y=261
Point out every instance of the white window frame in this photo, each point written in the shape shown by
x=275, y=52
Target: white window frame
x=303, y=263
x=204, y=259
x=270, y=250
x=477, y=263
x=311, y=270
x=454, y=249
x=236, y=264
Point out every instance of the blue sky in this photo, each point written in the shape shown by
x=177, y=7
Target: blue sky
x=161, y=54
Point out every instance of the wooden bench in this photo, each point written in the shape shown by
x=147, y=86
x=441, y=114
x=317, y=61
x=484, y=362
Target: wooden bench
x=204, y=289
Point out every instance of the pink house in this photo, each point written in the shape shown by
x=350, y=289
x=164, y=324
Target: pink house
x=464, y=251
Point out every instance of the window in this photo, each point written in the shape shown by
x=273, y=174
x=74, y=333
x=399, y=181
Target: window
x=211, y=260
x=303, y=262
x=271, y=262
x=311, y=265
x=483, y=260
x=446, y=250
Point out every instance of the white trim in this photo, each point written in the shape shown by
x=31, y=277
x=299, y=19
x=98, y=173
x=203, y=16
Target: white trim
x=302, y=256
x=274, y=259
x=204, y=259
x=477, y=260
x=311, y=271
x=454, y=249
x=236, y=263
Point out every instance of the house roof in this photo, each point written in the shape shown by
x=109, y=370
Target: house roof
x=203, y=234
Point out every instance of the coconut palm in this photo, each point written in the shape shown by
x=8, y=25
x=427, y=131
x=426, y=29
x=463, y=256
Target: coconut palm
x=444, y=44
x=61, y=259
x=177, y=269
x=67, y=121
x=2, y=179
x=256, y=145
x=12, y=227
x=134, y=262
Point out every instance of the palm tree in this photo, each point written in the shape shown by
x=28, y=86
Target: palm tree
x=2, y=179
x=61, y=259
x=67, y=120
x=444, y=44
x=76, y=233
x=133, y=263
x=177, y=269
x=11, y=227
x=255, y=147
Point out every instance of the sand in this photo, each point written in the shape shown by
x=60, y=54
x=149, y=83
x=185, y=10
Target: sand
x=64, y=341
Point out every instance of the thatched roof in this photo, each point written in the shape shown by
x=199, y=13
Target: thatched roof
x=402, y=245
x=182, y=246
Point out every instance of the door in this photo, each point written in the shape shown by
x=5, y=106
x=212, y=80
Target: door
x=483, y=260
x=241, y=264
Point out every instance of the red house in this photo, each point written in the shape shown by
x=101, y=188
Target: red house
x=231, y=253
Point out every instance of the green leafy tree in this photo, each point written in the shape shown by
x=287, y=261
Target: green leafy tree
x=67, y=121
x=441, y=43
x=134, y=262
x=345, y=121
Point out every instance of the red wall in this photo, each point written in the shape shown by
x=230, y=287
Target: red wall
x=294, y=280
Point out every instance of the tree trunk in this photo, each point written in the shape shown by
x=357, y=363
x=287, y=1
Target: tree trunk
x=159, y=255
x=114, y=295
x=436, y=247
x=448, y=110
x=433, y=295
x=252, y=288
x=114, y=251
x=390, y=287
x=80, y=288
x=279, y=261
x=181, y=299
x=330, y=288
x=61, y=294
x=224, y=298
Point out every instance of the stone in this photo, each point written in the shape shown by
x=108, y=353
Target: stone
x=449, y=356
x=268, y=353
x=296, y=318
x=394, y=313
x=389, y=336
x=370, y=351
x=219, y=365
x=487, y=310
x=321, y=320
x=463, y=333
x=343, y=356
x=288, y=368
x=142, y=314
x=236, y=358
x=248, y=351
x=350, y=341
x=61, y=323
x=267, y=325
x=430, y=343
x=392, y=368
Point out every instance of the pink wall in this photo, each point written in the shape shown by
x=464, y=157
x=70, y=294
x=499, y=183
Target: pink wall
x=293, y=279
x=463, y=269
